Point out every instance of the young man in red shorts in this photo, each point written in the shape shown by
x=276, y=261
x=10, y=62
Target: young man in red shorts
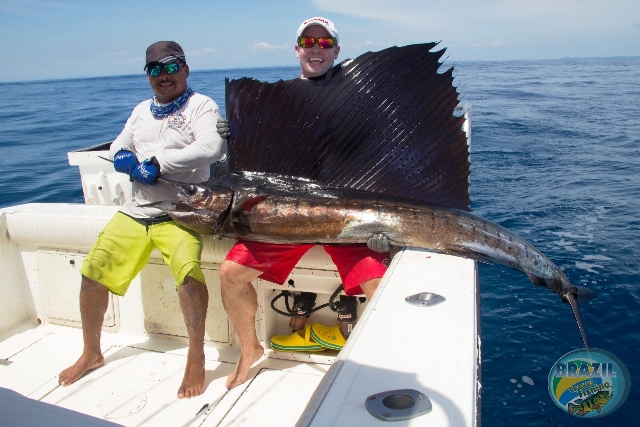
x=360, y=268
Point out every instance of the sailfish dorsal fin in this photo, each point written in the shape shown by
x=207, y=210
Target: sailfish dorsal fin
x=383, y=122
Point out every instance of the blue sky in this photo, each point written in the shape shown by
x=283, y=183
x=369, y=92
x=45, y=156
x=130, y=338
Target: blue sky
x=42, y=39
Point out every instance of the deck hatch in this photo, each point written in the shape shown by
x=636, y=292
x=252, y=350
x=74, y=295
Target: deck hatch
x=59, y=280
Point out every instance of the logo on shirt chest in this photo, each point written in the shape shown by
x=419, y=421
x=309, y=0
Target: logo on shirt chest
x=176, y=121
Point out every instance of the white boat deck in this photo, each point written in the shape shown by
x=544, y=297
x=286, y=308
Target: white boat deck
x=394, y=346
x=138, y=384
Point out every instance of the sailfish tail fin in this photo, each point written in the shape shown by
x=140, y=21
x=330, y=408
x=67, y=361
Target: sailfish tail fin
x=576, y=297
x=582, y=295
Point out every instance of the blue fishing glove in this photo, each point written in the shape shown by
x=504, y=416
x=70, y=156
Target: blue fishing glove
x=222, y=126
x=147, y=172
x=125, y=161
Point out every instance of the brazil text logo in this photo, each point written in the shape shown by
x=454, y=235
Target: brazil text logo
x=589, y=383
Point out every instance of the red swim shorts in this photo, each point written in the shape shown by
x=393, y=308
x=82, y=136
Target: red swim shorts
x=356, y=263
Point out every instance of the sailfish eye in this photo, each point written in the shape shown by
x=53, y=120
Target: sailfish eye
x=192, y=189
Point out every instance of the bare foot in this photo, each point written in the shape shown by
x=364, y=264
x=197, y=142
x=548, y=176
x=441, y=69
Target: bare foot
x=247, y=359
x=193, y=380
x=83, y=365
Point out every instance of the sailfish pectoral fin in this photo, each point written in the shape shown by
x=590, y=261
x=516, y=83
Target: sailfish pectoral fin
x=248, y=204
x=238, y=213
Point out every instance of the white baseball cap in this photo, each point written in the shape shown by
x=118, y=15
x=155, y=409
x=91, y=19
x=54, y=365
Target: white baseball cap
x=324, y=23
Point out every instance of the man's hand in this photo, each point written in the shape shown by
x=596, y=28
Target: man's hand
x=378, y=243
x=222, y=126
x=147, y=172
x=125, y=161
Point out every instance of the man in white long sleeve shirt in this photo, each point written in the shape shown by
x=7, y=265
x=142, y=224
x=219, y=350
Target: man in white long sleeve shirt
x=172, y=135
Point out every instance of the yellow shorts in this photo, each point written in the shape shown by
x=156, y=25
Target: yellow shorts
x=123, y=248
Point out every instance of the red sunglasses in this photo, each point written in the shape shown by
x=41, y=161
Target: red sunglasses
x=323, y=42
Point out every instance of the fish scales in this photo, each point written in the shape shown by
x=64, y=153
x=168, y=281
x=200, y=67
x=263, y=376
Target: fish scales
x=293, y=211
x=276, y=209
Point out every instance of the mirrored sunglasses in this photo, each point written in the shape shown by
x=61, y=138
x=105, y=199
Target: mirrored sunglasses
x=323, y=42
x=168, y=68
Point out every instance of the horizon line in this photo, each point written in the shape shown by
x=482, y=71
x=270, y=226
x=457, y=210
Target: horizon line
x=566, y=58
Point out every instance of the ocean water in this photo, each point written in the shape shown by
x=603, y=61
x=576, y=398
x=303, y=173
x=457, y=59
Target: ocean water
x=555, y=158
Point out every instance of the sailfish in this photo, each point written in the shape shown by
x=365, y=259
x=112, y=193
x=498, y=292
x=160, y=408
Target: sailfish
x=372, y=147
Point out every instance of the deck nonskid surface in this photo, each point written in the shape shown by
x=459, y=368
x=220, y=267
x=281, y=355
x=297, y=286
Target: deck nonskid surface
x=140, y=379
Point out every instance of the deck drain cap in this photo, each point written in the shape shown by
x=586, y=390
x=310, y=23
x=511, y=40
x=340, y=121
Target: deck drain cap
x=396, y=405
x=425, y=299
x=121, y=405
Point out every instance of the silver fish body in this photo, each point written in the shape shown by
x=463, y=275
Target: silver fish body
x=276, y=209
